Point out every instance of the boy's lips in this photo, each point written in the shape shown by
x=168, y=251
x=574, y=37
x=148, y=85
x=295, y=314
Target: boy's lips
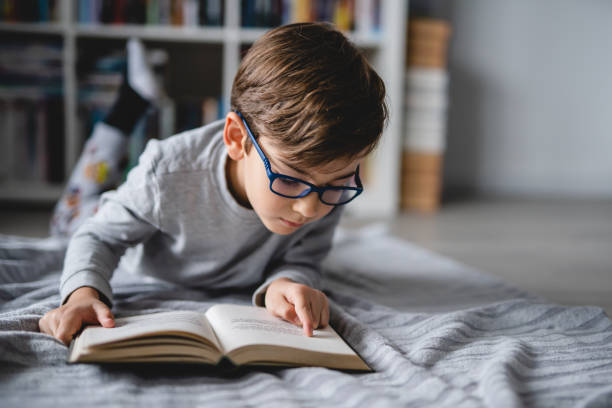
x=291, y=224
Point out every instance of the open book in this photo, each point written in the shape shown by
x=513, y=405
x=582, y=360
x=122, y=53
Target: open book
x=244, y=335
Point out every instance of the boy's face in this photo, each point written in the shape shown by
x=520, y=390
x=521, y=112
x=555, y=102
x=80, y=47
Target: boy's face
x=248, y=180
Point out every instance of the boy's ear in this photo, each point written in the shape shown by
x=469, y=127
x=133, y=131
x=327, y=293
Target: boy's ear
x=234, y=136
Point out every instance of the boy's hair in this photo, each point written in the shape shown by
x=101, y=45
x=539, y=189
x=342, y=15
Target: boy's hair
x=310, y=91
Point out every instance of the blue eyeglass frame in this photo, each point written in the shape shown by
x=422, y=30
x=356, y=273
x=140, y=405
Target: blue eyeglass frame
x=311, y=187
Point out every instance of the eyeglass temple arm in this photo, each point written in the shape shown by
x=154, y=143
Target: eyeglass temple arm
x=358, y=178
x=254, y=141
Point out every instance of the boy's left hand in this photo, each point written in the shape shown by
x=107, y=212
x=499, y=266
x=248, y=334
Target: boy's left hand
x=297, y=303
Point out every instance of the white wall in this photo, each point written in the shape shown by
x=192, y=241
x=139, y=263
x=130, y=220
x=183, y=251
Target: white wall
x=530, y=97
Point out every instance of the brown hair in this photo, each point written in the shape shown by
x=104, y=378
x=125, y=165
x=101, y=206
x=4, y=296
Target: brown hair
x=309, y=90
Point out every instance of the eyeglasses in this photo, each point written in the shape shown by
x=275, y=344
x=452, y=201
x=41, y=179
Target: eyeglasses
x=291, y=187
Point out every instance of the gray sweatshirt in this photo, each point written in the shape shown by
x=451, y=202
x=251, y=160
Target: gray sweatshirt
x=175, y=220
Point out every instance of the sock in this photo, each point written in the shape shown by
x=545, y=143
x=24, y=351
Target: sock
x=140, y=75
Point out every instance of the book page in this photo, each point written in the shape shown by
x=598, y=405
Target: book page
x=237, y=326
x=194, y=323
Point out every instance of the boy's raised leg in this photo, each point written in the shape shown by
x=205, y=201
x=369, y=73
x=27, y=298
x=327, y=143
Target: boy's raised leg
x=99, y=167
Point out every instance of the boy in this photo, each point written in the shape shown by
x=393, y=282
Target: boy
x=251, y=201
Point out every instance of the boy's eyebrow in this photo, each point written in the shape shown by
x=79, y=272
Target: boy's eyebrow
x=292, y=167
x=287, y=164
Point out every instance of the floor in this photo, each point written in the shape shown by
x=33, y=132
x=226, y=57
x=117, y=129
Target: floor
x=561, y=250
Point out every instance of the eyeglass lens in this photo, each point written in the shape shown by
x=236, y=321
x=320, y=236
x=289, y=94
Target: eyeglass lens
x=292, y=188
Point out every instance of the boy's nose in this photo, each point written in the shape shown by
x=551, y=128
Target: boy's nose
x=308, y=205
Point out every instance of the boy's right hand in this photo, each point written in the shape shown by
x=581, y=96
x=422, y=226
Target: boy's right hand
x=83, y=306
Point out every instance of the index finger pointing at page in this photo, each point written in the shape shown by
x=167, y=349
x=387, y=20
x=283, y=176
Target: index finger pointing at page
x=303, y=312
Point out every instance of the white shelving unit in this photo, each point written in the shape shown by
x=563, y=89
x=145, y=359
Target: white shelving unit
x=385, y=48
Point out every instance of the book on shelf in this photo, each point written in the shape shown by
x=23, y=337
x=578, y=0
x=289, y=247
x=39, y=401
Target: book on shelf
x=195, y=112
x=32, y=139
x=236, y=334
x=348, y=15
x=32, y=112
x=189, y=13
x=29, y=11
x=34, y=65
x=262, y=13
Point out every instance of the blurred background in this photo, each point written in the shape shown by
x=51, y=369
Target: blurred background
x=498, y=153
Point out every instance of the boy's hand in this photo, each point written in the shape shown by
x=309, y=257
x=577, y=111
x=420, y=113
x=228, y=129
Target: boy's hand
x=83, y=306
x=298, y=304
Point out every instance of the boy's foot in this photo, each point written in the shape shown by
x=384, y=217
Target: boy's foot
x=99, y=166
x=140, y=75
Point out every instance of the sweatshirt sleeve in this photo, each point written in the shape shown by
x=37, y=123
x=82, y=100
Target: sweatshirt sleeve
x=301, y=262
x=126, y=217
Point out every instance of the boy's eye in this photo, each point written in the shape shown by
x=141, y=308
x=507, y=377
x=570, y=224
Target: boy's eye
x=288, y=187
x=347, y=182
x=287, y=182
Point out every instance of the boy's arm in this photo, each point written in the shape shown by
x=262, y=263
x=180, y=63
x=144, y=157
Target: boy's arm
x=301, y=262
x=125, y=218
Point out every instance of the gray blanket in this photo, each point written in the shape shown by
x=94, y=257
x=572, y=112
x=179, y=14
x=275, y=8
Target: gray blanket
x=436, y=333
